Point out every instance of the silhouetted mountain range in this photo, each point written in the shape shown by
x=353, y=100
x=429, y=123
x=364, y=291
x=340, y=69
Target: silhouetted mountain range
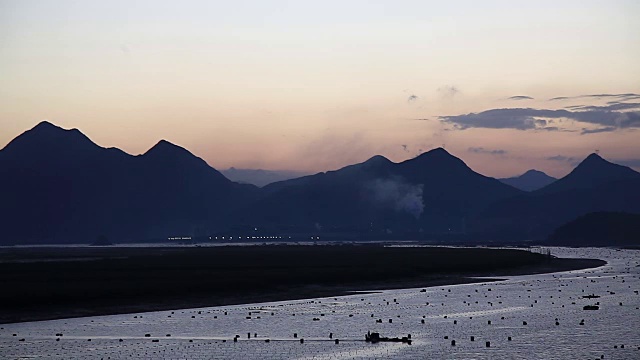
x=594, y=185
x=530, y=180
x=434, y=192
x=59, y=186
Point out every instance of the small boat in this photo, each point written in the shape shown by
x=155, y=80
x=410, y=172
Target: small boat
x=592, y=296
x=375, y=338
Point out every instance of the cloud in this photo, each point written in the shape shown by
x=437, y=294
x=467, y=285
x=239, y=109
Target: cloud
x=481, y=150
x=125, y=49
x=560, y=158
x=520, y=97
x=586, y=131
x=624, y=97
x=448, y=90
x=529, y=119
x=520, y=119
x=553, y=128
x=612, y=106
x=395, y=193
x=634, y=163
x=412, y=98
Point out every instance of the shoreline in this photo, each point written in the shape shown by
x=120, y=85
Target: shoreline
x=316, y=287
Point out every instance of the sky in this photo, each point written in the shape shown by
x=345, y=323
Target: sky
x=316, y=85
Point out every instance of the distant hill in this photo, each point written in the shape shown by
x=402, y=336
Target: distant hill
x=259, y=177
x=58, y=186
x=530, y=180
x=432, y=193
x=599, y=229
x=594, y=185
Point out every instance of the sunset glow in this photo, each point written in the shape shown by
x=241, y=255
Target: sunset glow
x=314, y=86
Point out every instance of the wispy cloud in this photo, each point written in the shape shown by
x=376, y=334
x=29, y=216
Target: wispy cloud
x=623, y=97
x=586, y=131
x=448, y=90
x=531, y=119
x=412, y=98
x=561, y=158
x=634, y=163
x=481, y=150
x=553, y=128
x=612, y=106
x=520, y=97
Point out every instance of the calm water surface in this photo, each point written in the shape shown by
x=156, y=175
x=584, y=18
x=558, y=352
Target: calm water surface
x=551, y=305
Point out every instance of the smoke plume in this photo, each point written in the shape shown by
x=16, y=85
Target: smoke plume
x=397, y=194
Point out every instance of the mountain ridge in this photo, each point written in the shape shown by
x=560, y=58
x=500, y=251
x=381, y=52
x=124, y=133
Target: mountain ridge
x=59, y=186
x=73, y=190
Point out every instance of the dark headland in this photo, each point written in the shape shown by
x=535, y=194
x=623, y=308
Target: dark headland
x=51, y=283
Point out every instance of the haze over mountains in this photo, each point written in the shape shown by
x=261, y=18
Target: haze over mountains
x=59, y=186
x=530, y=180
x=259, y=177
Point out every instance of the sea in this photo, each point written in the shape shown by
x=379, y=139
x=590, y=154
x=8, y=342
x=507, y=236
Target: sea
x=521, y=317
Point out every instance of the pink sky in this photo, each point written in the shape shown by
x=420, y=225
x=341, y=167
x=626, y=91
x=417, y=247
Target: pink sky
x=314, y=86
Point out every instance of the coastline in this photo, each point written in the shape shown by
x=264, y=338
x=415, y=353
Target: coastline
x=314, y=288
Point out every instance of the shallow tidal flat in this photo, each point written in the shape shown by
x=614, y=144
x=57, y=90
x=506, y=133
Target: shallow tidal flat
x=523, y=317
x=49, y=283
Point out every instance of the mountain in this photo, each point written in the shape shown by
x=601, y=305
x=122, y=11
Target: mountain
x=59, y=186
x=433, y=193
x=259, y=177
x=594, y=185
x=591, y=172
x=599, y=229
x=529, y=181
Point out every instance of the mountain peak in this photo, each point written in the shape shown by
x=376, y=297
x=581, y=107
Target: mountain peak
x=165, y=152
x=46, y=137
x=46, y=128
x=533, y=172
x=593, y=171
x=164, y=143
x=164, y=147
x=593, y=162
x=44, y=124
x=440, y=151
x=594, y=158
x=438, y=155
x=529, y=181
x=377, y=159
